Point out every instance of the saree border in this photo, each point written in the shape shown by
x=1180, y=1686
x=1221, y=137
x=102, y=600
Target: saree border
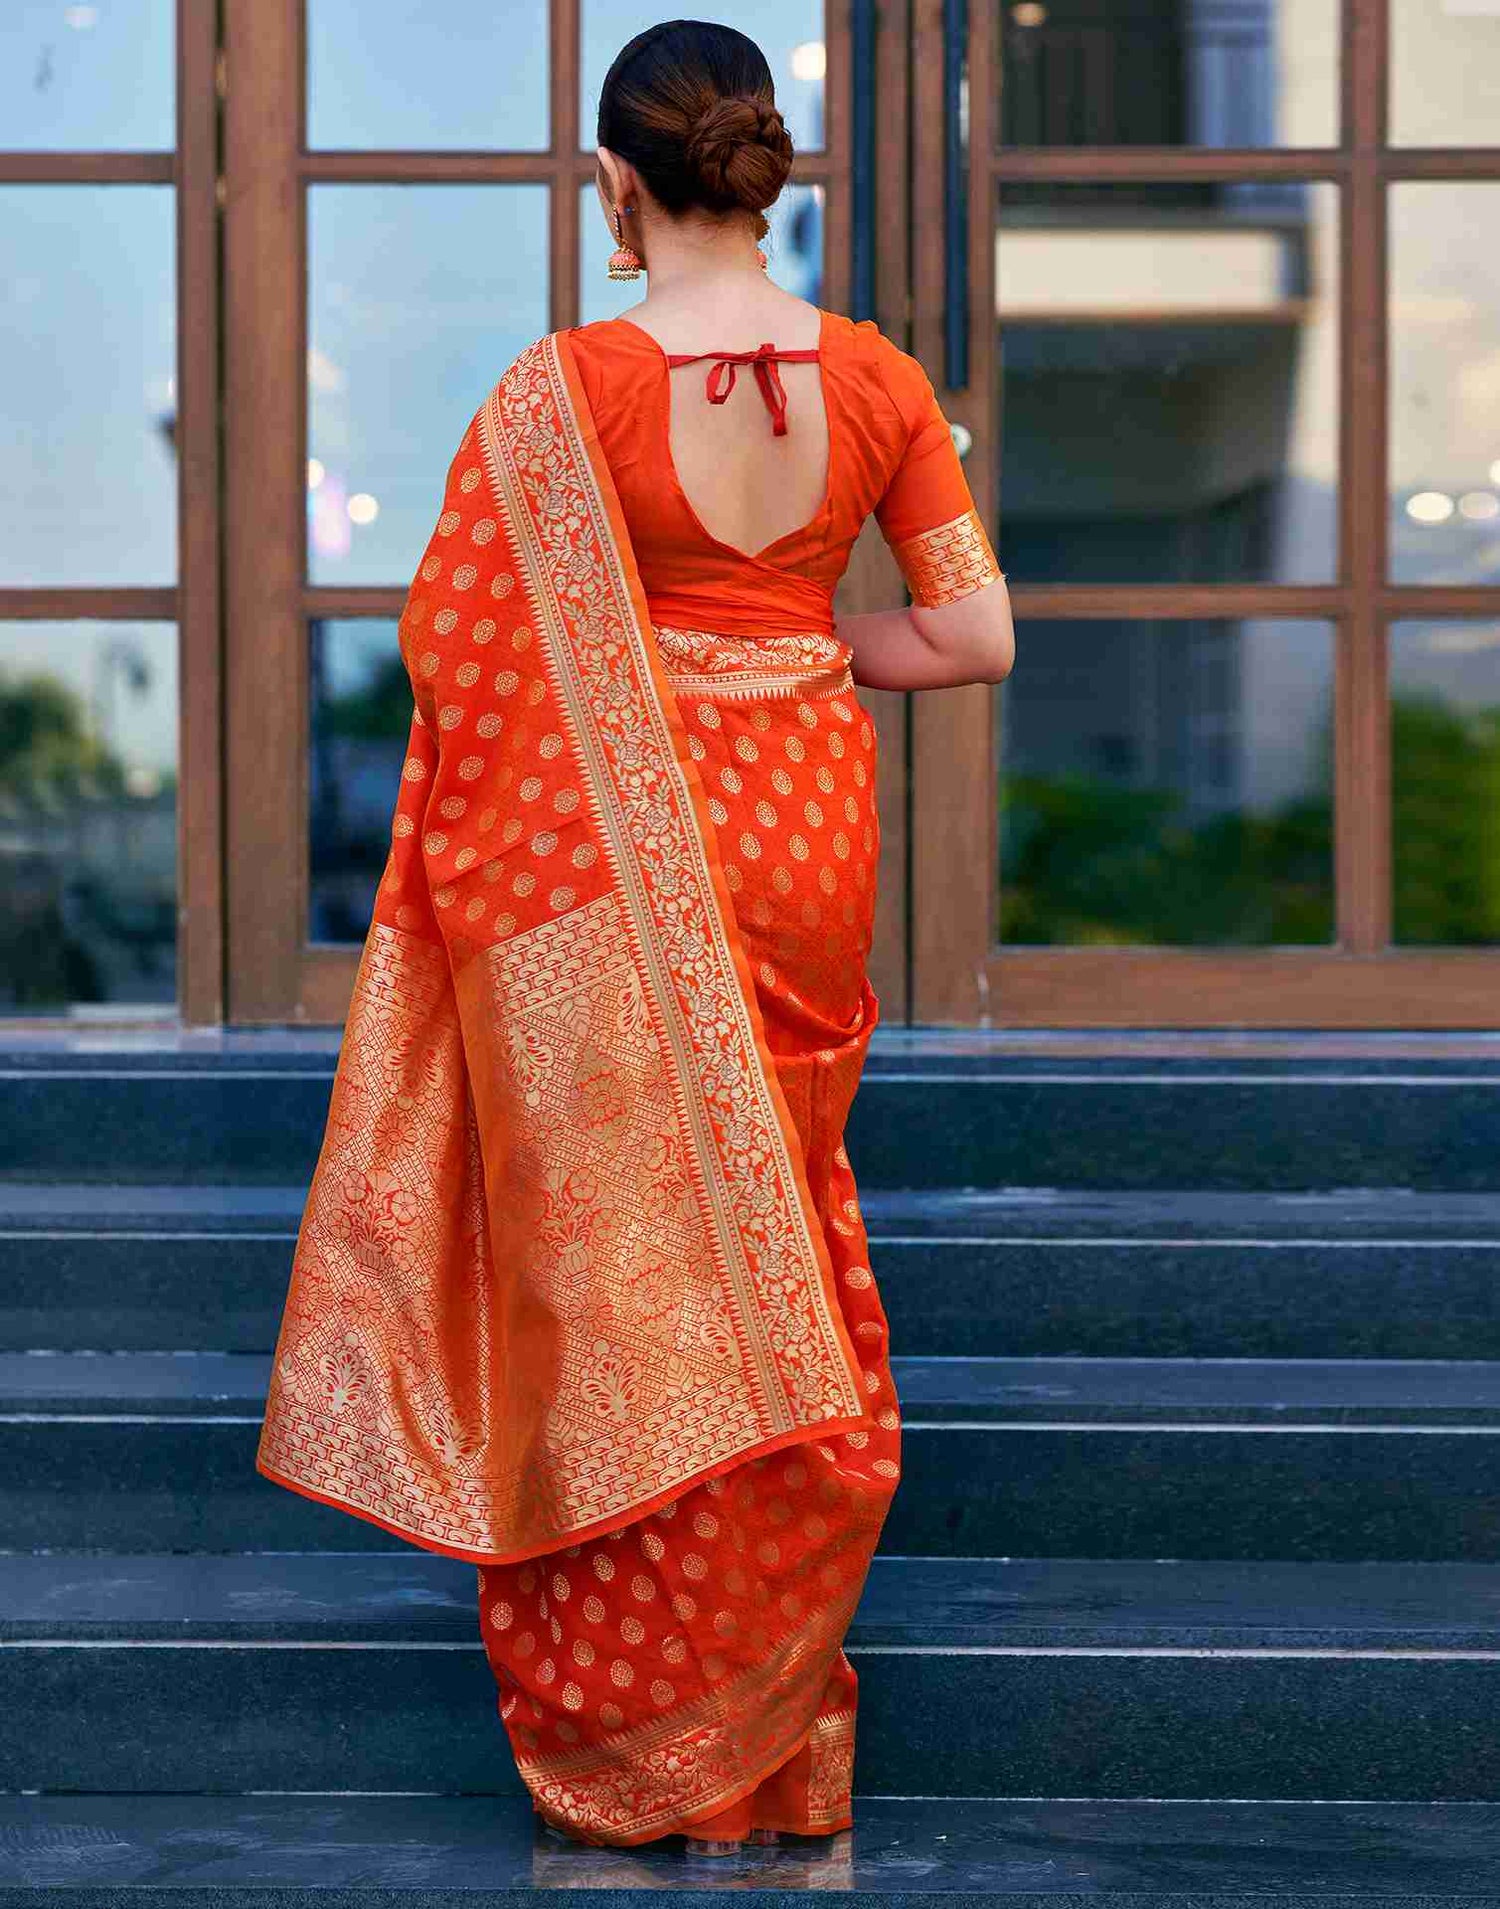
x=676, y=903
x=741, y=1730
x=399, y=1450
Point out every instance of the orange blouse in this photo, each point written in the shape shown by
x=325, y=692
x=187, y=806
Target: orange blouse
x=890, y=452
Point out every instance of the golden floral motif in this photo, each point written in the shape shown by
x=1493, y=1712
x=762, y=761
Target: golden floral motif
x=637, y=1260
x=712, y=663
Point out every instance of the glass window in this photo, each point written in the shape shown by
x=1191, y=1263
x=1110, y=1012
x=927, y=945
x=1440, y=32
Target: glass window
x=1169, y=72
x=88, y=816
x=419, y=297
x=1445, y=383
x=1169, y=397
x=1167, y=783
x=1445, y=55
x=409, y=75
x=794, y=249
x=88, y=78
x=1445, y=782
x=788, y=32
x=88, y=483
x=360, y=707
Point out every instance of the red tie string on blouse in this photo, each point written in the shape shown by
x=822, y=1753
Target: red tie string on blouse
x=763, y=359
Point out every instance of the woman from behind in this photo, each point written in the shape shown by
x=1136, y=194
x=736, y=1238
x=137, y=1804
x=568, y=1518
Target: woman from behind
x=582, y=1292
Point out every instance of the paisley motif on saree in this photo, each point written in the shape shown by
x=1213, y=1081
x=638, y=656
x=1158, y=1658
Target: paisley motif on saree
x=560, y=1258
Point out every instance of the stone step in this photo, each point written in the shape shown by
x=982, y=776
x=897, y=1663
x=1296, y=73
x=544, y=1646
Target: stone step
x=1360, y=1274
x=979, y=1677
x=446, y=1852
x=932, y=1112
x=1295, y=1459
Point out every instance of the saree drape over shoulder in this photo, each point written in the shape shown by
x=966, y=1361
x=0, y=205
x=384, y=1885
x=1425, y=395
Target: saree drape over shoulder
x=581, y=1291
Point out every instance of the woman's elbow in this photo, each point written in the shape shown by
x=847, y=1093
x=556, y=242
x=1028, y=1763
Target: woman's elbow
x=995, y=641
x=997, y=657
x=973, y=635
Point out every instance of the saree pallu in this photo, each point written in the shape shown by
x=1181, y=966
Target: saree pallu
x=581, y=1292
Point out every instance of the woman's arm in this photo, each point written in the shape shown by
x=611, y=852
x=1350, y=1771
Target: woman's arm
x=971, y=640
x=958, y=626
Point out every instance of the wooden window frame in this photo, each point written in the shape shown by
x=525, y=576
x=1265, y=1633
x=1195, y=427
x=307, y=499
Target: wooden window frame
x=958, y=975
x=192, y=603
x=275, y=974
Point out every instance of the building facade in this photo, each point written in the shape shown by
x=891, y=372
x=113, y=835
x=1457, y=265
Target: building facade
x=1210, y=294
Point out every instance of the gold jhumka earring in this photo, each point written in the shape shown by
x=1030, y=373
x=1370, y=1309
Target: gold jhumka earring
x=623, y=262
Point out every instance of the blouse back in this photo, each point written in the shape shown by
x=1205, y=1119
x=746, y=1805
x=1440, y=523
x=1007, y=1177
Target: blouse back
x=890, y=454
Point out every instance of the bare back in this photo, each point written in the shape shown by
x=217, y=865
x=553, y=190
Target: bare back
x=748, y=486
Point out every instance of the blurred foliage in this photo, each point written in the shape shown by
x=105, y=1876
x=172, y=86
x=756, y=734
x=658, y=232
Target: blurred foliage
x=378, y=710
x=1088, y=863
x=45, y=747
x=1445, y=822
x=58, y=913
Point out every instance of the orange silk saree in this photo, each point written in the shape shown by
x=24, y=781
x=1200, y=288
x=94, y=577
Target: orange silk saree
x=581, y=1291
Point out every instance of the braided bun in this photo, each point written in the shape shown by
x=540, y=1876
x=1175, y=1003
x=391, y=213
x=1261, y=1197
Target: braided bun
x=738, y=153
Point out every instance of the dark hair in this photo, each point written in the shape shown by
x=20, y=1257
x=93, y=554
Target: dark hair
x=692, y=106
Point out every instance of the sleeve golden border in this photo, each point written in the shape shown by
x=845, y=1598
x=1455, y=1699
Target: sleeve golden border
x=949, y=561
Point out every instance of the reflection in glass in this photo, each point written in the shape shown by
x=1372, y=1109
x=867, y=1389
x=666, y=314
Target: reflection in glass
x=1445, y=782
x=1170, y=386
x=92, y=78
x=1167, y=783
x=360, y=703
x=88, y=815
x=788, y=32
x=88, y=489
x=1169, y=72
x=794, y=248
x=1445, y=55
x=1444, y=383
x=404, y=73
x=419, y=298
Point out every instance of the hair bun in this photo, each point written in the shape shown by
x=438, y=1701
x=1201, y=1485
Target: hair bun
x=740, y=152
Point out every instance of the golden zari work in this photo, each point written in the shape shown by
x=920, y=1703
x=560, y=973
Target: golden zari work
x=950, y=561
x=560, y=1256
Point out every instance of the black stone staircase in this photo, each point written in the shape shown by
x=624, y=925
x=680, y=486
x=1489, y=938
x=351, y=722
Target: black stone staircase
x=1191, y=1592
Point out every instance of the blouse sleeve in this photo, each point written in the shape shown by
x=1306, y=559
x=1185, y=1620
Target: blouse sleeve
x=926, y=513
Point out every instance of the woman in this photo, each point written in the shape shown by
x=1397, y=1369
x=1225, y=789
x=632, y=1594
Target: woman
x=581, y=1292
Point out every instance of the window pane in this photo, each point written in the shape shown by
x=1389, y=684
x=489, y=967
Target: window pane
x=97, y=77
x=1445, y=782
x=88, y=815
x=1169, y=397
x=788, y=32
x=1169, y=72
x=407, y=74
x=419, y=297
x=1167, y=783
x=1445, y=55
x=1445, y=383
x=360, y=709
x=88, y=483
x=794, y=248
